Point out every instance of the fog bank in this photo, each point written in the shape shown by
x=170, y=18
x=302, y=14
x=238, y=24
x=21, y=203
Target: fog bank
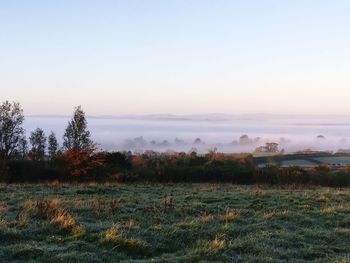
x=205, y=133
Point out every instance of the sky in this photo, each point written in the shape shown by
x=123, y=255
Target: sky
x=176, y=57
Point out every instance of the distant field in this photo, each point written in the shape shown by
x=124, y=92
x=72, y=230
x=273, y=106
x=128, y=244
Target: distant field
x=334, y=160
x=297, y=162
x=207, y=223
x=263, y=154
x=308, y=161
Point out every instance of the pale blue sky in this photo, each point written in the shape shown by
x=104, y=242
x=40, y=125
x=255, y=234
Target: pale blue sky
x=181, y=57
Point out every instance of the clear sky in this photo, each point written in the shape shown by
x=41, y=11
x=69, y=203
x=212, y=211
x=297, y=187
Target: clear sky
x=179, y=56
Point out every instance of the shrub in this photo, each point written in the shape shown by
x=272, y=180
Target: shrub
x=80, y=162
x=30, y=171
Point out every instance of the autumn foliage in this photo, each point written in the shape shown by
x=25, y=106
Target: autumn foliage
x=81, y=162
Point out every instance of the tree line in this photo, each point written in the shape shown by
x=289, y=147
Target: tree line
x=76, y=156
x=14, y=145
x=41, y=158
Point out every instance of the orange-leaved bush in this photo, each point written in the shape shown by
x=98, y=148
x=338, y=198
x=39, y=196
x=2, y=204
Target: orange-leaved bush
x=81, y=162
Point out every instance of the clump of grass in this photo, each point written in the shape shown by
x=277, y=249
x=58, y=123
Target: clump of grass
x=117, y=238
x=213, y=248
x=209, y=188
x=206, y=218
x=97, y=207
x=3, y=223
x=3, y=208
x=63, y=219
x=23, y=215
x=92, y=184
x=323, y=198
x=54, y=183
x=113, y=205
x=273, y=213
x=47, y=209
x=78, y=230
x=51, y=211
x=229, y=215
x=218, y=243
x=113, y=234
x=22, y=218
x=131, y=223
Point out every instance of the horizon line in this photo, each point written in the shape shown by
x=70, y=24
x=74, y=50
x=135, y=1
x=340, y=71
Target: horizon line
x=202, y=116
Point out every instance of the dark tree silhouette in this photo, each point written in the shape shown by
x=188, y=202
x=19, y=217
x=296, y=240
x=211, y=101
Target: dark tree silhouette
x=11, y=130
x=3, y=166
x=53, y=146
x=38, y=142
x=23, y=148
x=77, y=136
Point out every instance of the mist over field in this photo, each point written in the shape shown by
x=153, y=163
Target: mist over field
x=206, y=132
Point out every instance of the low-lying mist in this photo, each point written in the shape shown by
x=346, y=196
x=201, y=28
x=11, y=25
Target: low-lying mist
x=203, y=134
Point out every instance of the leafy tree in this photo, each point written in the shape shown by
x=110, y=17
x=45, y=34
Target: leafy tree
x=38, y=141
x=53, y=146
x=77, y=136
x=271, y=147
x=244, y=139
x=11, y=130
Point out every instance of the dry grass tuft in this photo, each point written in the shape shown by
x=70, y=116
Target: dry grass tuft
x=273, y=213
x=218, y=243
x=229, y=215
x=131, y=223
x=206, y=218
x=52, y=211
x=54, y=183
x=22, y=218
x=3, y=223
x=116, y=237
x=3, y=208
x=64, y=220
x=113, y=233
x=323, y=198
x=24, y=212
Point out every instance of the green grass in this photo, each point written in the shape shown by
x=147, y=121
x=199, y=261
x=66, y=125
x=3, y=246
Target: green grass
x=208, y=223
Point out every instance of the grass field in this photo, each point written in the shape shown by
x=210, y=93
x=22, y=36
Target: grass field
x=297, y=162
x=334, y=160
x=205, y=223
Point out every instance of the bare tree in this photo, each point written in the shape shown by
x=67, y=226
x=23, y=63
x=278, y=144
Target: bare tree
x=53, y=146
x=77, y=136
x=38, y=141
x=11, y=130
